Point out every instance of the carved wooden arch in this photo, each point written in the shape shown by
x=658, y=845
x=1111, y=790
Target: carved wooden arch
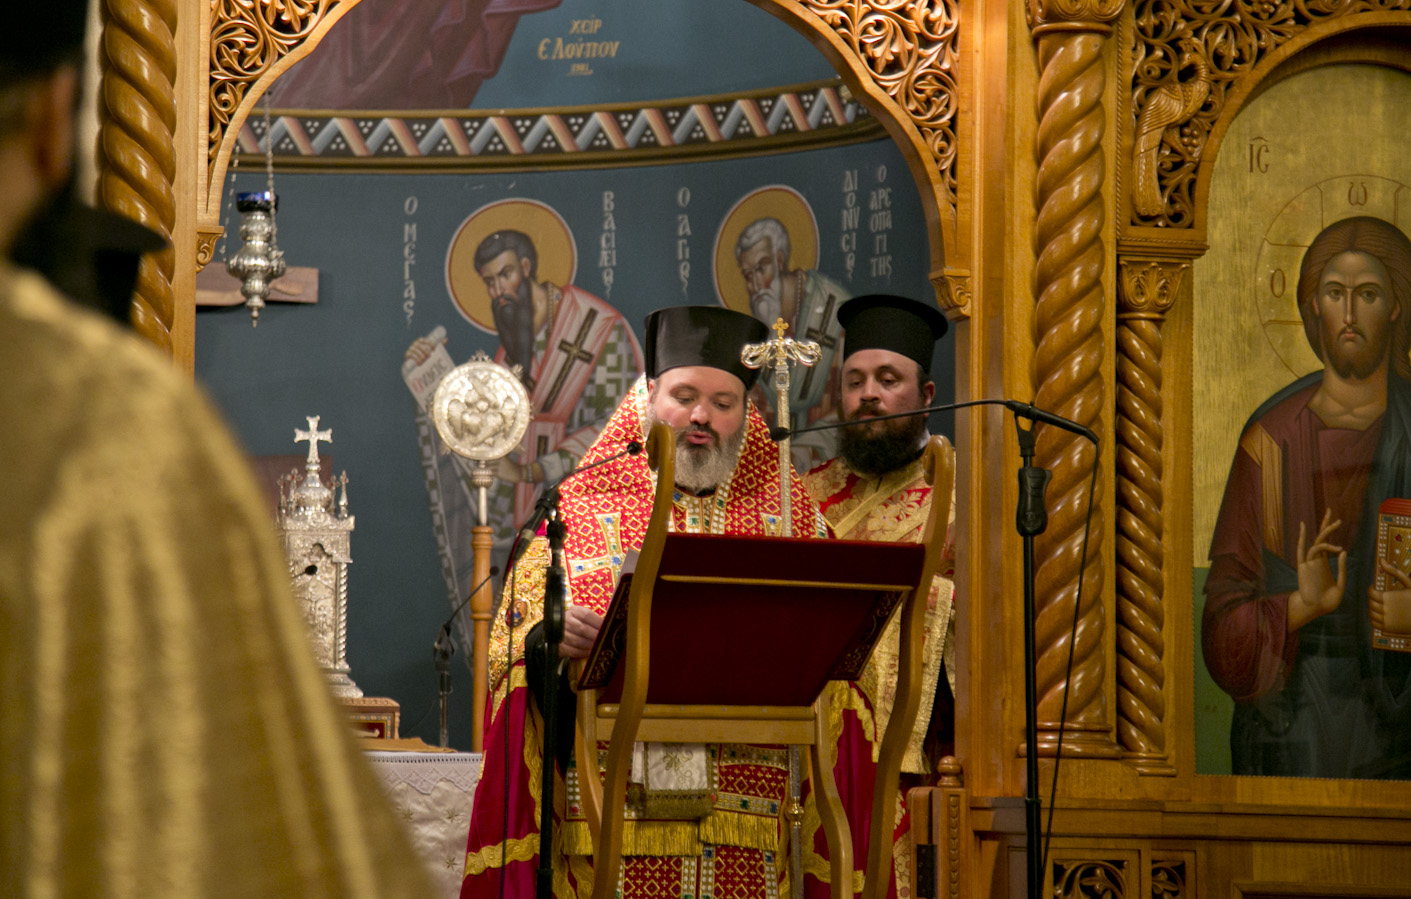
x=900, y=56
x=1274, y=67
x=1154, y=254
x=1227, y=56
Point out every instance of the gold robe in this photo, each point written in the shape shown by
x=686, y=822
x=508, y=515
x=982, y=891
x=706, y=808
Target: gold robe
x=164, y=730
x=894, y=508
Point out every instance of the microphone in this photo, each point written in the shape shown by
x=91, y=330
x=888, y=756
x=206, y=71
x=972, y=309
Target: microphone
x=1034, y=413
x=440, y=646
x=542, y=506
x=1025, y=410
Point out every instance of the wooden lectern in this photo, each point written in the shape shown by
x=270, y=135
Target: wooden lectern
x=659, y=672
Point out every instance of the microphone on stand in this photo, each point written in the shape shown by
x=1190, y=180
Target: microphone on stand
x=1031, y=519
x=445, y=632
x=444, y=648
x=1024, y=410
x=545, y=502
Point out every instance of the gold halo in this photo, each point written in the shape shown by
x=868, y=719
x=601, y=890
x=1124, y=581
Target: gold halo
x=558, y=255
x=775, y=201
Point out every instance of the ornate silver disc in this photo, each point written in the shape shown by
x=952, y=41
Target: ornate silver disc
x=481, y=410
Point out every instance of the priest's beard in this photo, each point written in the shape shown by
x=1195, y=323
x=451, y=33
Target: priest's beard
x=514, y=321
x=766, y=303
x=877, y=448
x=705, y=467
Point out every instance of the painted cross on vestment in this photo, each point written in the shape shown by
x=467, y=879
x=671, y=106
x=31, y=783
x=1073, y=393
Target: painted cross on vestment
x=573, y=351
x=612, y=540
x=820, y=336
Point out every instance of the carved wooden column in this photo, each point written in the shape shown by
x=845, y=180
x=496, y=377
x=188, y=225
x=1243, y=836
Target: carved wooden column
x=1147, y=287
x=136, y=156
x=1067, y=367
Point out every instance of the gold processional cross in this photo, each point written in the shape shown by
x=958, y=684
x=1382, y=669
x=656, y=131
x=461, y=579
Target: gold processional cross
x=781, y=351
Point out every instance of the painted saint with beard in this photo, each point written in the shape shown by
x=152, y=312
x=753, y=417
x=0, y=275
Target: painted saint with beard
x=576, y=356
x=808, y=301
x=1291, y=597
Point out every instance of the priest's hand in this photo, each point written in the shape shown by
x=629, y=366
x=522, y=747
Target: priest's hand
x=580, y=630
x=1391, y=609
x=1318, y=594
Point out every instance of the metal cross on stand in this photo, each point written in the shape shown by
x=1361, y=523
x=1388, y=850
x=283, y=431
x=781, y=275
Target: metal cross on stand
x=312, y=436
x=781, y=351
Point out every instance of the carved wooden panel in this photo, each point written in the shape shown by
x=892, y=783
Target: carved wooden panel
x=247, y=39
x=1091, y=879
x=1067, y=370
x=1188, y=57
x=909, y=48
x=1147, y=288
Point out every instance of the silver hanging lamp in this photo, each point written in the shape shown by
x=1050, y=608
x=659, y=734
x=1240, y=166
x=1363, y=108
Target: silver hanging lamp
x=259, y=261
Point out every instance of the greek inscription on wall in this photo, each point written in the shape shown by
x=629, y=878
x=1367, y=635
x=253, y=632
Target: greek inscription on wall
x=409, y=259
x=879, y=225
x=683, y=238
x=579, y=48
x=607, y=243
x=851, y=213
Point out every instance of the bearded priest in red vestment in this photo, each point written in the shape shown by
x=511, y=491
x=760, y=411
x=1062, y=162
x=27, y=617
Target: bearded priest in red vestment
x=702, y=819
x=876, y=490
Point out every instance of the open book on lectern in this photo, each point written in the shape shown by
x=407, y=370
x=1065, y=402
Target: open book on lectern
x=762, y=621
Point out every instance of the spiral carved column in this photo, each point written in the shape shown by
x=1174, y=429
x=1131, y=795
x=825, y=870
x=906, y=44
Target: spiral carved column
x=1067, y=368
x=1147, y=289
x=136, y=156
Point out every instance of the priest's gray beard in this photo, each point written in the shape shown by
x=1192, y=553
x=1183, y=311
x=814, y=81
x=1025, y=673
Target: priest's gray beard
x=701, y=468
x=877, y=448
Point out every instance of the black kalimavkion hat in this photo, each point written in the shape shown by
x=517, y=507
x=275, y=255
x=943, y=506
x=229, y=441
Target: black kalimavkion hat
x=883, y=322
x=702, y=335
x=38, y=37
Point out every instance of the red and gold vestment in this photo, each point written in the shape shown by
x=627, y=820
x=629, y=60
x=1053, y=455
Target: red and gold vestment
x=734, y=849
x=894, y=508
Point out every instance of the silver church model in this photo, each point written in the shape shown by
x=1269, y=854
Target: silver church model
x=316, y=534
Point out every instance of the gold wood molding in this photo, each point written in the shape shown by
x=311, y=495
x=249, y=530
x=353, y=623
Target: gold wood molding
x=252, y=43
x=909, y=48
x=1084, y=15
x=1147, y=288
x=903, y=56
x=136, y=157
x=955, y=289
x=1067, y=373
x=1193, y=64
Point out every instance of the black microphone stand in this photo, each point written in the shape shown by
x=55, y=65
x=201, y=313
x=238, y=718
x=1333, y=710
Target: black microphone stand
x=441, y=652
x=553, y=636
x=443, y=649
x=1031, y=519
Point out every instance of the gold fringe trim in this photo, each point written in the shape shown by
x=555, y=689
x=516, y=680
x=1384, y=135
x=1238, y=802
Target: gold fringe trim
x=639, y=838
x=735, y=829
x=682, y=838
x=521, y=850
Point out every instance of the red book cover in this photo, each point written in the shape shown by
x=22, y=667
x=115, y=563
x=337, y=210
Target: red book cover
x=733, y=643
x=1393, y=546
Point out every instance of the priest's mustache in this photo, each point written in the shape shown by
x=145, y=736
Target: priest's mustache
x=701, y=429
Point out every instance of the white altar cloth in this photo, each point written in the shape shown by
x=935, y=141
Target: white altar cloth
x=431, y=792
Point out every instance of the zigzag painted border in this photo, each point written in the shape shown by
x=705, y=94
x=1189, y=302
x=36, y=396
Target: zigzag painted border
x=781, y=119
